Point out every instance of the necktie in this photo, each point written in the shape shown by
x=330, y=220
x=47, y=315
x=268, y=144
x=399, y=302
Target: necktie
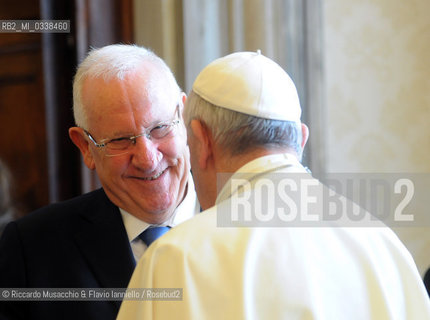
x=152, y=233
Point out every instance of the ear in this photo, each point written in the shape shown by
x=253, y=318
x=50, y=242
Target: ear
x=181, y=107
x=305, y=135
x=78, y=138
x=203, y=142
x=183, y=97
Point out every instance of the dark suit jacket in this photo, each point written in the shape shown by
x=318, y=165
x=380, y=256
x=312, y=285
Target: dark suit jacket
x=427, y=281
x=80, y=243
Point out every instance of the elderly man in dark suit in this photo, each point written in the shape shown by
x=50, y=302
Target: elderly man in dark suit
x=129, y=128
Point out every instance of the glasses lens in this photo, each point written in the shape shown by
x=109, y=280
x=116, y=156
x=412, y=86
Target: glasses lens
x=119, y=144
x=161, y=131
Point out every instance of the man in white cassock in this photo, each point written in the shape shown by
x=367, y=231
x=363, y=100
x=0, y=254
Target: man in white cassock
x=264, y=248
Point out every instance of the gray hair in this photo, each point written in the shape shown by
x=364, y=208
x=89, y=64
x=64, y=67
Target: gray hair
x=110, y=62
x=238, y=133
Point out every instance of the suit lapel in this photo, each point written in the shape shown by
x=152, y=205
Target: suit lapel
x=103, y=241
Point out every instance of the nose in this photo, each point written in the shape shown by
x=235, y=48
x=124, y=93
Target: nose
x=146, y=155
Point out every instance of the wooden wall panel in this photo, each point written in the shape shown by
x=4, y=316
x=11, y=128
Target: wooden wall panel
x=22, y=133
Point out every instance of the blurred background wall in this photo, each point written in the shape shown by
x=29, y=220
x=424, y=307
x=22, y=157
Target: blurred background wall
x=377, y=73
x=377, y=88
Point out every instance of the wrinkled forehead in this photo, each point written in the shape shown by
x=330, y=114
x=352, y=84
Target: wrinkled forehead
x=147, y=93
x=149, y=80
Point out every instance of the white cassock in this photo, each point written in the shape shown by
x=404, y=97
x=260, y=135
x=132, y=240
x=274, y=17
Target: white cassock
x=332, y=272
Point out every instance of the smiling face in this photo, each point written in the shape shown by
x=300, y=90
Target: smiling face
x=150, y=180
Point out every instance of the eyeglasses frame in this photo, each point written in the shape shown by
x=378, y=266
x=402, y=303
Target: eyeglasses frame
x=147, y=133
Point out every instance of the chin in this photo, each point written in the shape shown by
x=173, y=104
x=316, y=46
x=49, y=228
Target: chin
x=159, y=205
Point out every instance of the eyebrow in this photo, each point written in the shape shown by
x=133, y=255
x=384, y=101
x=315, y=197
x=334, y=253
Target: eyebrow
x=123, y=134
x=120, y=134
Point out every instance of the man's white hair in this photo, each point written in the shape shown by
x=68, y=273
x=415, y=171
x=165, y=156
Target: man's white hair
x=110, y=62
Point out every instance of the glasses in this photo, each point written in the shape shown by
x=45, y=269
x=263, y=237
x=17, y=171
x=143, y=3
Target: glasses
x=122, y=145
